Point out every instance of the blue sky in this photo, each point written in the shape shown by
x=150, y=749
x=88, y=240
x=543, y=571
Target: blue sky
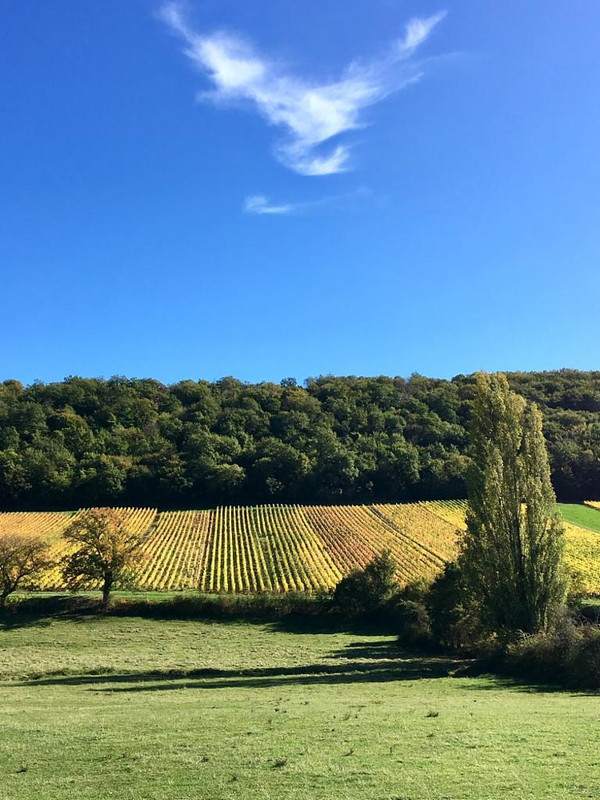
x=431, y=172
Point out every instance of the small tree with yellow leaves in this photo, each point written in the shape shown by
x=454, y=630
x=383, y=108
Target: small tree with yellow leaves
x=22, y=558
x=103, y=549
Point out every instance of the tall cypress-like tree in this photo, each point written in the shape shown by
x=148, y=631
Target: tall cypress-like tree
x=512, y=552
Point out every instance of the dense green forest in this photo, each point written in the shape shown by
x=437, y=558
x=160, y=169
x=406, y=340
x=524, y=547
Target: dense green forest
x=336, y=439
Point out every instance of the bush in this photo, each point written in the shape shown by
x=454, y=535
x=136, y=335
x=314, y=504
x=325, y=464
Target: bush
x=453, y=611
x=365, y=591
x=296, y=607
x=264, y=607
x=567, y=654
x=411, y=620
x=584, y=666
x=544, y=656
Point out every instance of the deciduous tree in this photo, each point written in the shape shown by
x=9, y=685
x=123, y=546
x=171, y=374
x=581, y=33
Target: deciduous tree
x=21, y=558
x=105, y=550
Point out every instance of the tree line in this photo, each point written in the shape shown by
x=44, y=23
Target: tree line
x=86, y=441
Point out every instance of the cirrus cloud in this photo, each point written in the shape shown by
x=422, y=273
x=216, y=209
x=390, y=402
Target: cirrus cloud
x=260, y=204
x=310, y=112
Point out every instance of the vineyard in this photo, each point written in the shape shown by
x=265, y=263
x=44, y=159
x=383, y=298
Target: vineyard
x=282, y=548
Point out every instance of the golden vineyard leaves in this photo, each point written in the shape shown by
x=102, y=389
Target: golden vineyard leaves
x=281, y=548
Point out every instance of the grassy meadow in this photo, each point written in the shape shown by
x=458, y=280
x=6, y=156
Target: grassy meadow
x=579, y=514
x=94, y=707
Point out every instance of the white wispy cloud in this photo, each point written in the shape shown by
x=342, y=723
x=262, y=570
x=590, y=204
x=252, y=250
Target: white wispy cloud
x=259, y=204
x=311, y=112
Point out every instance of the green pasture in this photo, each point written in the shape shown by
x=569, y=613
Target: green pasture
x=95, y=707
x=578, y=514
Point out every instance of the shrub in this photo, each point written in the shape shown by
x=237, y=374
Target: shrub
x=567, y=654
x=584, y=666
x=455, y=622
x=263, y=607
x=411, y=619
x=407, y=612
x=364, y=591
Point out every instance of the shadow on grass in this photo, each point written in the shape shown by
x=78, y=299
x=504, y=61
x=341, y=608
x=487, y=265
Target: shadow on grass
x=290, y=613
x=40, y=611
x=411, y=670
x=10, y=622
x=375, y=662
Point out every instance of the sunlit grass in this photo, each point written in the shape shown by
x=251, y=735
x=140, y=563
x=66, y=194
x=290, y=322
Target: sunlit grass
x=579, y=514
x=130, y=708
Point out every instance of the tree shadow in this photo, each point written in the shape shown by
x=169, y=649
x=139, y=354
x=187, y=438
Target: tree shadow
x=10, y=622
x=332, y=622
x=373, y=662
x=298, y=615
x=378, y=649
x=376, y=660
x=41, y=611
x=410, y=670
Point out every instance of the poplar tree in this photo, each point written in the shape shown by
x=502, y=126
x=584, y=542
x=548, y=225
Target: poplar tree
x=512, y=552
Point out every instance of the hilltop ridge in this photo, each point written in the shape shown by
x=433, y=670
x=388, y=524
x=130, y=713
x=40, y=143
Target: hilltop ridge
x=88, y=441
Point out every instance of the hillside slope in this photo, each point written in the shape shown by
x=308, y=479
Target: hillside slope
x=138, y=442
x=280, y=548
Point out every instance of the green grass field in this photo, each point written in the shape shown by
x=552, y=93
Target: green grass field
x=579, y=514
x=116, y=707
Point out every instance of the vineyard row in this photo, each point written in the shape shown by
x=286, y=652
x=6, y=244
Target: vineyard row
x=281, y=548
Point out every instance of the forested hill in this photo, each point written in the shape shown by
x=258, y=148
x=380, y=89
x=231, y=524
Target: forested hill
x=197, y=444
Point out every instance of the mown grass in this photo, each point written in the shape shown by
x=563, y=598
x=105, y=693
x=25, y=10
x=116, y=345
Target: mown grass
x=581, y=515
x=100, y=706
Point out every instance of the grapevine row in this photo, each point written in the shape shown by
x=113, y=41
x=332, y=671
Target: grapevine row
x=281, y=548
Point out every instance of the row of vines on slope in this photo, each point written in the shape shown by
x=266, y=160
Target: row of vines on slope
x=281, y=548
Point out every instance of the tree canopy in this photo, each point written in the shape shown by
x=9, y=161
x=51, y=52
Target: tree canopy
x=123, y=441
x=22, y=559
x=103, y=549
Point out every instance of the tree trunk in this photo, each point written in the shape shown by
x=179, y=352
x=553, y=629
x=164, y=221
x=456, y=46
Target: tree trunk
x=107, y=586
